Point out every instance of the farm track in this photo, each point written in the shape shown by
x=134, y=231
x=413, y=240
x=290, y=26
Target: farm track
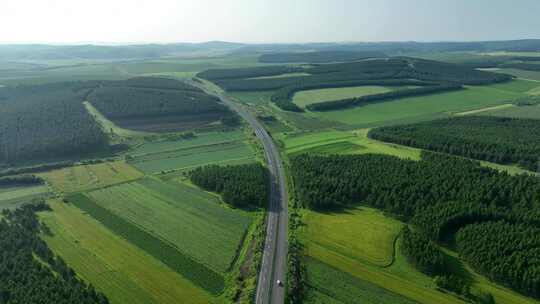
x=274, y=260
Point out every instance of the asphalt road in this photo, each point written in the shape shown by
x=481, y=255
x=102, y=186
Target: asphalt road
x=274, y=261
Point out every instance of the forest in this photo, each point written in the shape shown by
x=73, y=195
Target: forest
x=443, y=197
x=243, y=186
x=392, y=71
x=495, y=139
x=30, y=272
x=50, y=121
x=46, y=121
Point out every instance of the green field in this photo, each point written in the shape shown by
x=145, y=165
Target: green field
x=304, y=98
x=160, y=249
x=184, y=159
x=183, y=154
x=414, y=109
x=113, y=265
x=342, y=142
x=86, y=177
x=14, y=196
x=184, y=216
x=327, y=285
x=200, y=140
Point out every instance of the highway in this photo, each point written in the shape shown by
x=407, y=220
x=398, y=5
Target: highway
x=274, y=262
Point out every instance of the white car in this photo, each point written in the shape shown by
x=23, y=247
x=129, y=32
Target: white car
x=279, y=283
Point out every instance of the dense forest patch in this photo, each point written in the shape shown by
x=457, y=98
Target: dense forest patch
x=443, y=195
x=242, y=186
x=397, y=71
x=495, y=139
x=46, y=121
x=31, y=272
x=158, y=105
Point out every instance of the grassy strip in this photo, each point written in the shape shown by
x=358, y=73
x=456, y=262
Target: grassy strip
x=167, y=254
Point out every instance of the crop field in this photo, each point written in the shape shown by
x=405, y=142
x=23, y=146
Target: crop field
x=339, y=232
x=328, y=285
x=161, y=250
x=304, y=98
x=200, y=140
x=13, y=196
x=86, y=177
x=186, y=154
x=342, y=142
x=184, y=216
x=347, y=251
x=112, y=264
x=415, y=109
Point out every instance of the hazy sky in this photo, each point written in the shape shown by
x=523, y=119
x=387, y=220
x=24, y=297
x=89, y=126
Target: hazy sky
x=68, y=21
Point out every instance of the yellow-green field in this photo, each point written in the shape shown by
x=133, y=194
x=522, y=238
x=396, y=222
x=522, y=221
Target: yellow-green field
x=332, y=142
x=304, y=98
x=354, y=251
x=364, y=234
x=114, y=266
x=86, y=177
x=359, y=243
x=13, y=196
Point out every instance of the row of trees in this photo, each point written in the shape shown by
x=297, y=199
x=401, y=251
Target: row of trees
x=26, y=179
x=496, y=139
x=392, y=95
x=241, y=186
x=441, y=196
x=319, y=56
x=29, y=270
x=244, y=73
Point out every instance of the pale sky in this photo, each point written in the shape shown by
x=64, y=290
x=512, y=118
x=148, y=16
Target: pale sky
x=262, y=21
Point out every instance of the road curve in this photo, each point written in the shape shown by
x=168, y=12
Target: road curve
x=274, y=262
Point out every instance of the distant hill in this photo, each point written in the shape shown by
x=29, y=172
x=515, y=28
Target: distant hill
x=318, y=57
x=105, y=52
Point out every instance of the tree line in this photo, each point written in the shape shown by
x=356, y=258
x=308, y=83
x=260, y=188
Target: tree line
x=495, y=139
x=441, y=196
x=319, y=56
x=378, y=71
x=242, y=186
x=29, y=271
